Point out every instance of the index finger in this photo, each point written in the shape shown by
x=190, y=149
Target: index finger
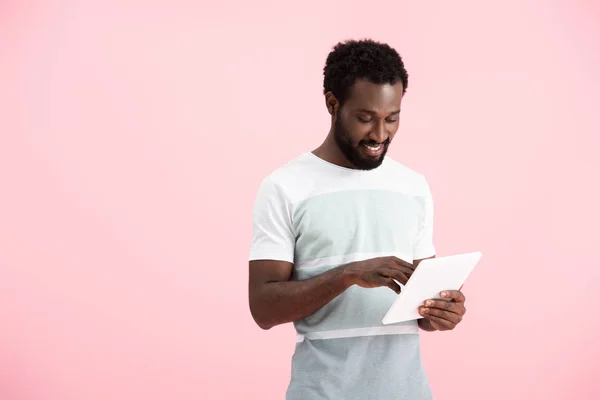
x=403, y=263
x=455, y=295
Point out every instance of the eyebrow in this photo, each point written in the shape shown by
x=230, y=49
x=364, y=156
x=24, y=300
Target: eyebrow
x=364, y=110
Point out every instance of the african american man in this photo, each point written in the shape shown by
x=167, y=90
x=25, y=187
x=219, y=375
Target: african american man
x=335, y=229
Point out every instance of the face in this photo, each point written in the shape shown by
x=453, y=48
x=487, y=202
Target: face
x=367, y=122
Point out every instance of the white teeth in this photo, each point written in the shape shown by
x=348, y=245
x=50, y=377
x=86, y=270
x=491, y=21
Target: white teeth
x=374, y=148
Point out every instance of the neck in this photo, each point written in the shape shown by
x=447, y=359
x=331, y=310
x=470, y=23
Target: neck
x=330, y=152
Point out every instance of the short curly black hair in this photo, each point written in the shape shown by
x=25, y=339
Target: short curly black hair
x=362, y=59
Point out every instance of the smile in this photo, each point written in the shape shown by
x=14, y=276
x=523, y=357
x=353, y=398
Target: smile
x=373, y=150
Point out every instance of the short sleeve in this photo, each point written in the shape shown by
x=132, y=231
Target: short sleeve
x=272, y=231
x=423, y=247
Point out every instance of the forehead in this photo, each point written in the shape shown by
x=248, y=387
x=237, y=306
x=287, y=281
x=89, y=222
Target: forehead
x=373, y=96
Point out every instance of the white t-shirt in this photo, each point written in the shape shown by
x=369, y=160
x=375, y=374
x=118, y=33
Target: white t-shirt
x=318, y=216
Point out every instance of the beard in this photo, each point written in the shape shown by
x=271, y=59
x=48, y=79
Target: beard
x=352, y=153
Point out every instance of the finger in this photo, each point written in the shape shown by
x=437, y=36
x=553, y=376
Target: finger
x=457, y=308
x=389, y=282
x=403, y=263
x=442, y=324
x=443, y=314
x=391, y=271
x=428, y=318
x=454, y=295
x=395, y=274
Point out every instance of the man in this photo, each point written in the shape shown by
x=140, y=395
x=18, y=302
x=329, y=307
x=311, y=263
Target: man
x=336, y=230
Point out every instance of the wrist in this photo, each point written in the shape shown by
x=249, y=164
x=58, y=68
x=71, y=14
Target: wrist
x=348, y=277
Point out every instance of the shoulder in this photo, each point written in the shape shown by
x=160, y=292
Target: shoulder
x=294, y=179
x=412, y=180
x=286, y=180
x=287, y=174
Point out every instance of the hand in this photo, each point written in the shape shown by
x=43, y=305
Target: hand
x=444, y=315
x=378, y=272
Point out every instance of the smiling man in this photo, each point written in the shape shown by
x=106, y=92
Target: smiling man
x=336, y=230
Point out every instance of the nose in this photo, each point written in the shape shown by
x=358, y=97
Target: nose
x=378, y=133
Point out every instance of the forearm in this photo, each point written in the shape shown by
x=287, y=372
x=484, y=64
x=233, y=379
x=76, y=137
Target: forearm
x=277, y=303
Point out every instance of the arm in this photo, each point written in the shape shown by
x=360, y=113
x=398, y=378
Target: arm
x=275, y=300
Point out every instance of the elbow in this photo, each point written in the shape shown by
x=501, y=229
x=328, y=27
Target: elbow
x=260, y=320
x=263, y=326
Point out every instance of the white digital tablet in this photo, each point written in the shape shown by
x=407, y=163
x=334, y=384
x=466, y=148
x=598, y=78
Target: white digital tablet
x=429, y=279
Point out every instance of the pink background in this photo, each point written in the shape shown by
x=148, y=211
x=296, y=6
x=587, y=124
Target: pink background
x=133, y=137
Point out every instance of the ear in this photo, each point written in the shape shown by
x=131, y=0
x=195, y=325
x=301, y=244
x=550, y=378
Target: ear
x=332, y=103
